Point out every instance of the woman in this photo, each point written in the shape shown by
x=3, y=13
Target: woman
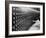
x=27, y=18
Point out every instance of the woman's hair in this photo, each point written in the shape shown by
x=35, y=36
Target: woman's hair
x=26, y=15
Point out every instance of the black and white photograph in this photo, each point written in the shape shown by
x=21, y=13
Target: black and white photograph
x=25, y=19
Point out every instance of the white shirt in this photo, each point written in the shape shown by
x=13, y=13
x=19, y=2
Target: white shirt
x=35, y=26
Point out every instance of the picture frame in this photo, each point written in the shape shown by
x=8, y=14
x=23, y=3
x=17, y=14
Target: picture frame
x=12, y=6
